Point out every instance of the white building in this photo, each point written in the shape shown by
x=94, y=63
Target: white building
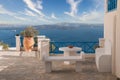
x=112, y=32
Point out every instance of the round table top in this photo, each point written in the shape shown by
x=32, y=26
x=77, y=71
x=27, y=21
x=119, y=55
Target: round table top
x=70, y=49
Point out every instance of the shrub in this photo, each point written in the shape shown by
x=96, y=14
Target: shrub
x=29, y=32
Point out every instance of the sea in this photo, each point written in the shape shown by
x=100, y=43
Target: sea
x=56, y=33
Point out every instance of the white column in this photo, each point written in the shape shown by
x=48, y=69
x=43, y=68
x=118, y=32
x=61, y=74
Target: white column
x=43, y=47
x=17, y=43
x=39, y=40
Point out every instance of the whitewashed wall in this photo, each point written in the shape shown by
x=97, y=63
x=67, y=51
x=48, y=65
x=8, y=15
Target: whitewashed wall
x=117, y=56
x=109, y=33
x=112, y=32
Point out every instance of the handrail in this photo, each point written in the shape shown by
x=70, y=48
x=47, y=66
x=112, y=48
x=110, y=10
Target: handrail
x=87, y=47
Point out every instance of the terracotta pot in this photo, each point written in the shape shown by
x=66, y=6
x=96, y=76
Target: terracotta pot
x=28, y=43
x=70, y=46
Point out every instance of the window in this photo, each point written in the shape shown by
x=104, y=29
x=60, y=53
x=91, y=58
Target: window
x=112, y=5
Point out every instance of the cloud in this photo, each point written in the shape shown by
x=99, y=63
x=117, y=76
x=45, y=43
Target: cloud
x=99, y=4
x=33, y=14
x=26, y=17
x=39, y=4
x=20, y=18
x=29, y=13
x=95, y=15
x=5, y=11
x=92, y=16
x=36, y=7
x=53, y=16
x=74, y=5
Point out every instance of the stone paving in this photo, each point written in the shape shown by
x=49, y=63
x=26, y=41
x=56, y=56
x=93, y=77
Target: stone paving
x=13, y=67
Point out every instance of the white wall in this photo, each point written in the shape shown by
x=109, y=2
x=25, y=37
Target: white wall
x=117, y=56
x=109, y=25
x=109, y=32
x=112, y=32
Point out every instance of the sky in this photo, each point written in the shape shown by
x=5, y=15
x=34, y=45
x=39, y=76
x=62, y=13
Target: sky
x=37, y=12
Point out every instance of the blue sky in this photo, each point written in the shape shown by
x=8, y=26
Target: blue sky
x=51, y=11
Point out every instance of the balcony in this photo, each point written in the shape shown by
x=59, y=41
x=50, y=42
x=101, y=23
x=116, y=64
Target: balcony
x=16, y=67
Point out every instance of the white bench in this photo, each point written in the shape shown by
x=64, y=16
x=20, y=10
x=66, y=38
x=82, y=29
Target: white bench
x=44, y=56
x=48, y=61
x=103, y=57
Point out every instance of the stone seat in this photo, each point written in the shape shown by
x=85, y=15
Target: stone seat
x=77, y=59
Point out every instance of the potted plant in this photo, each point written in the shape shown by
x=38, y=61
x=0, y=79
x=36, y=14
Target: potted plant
x=28, y=42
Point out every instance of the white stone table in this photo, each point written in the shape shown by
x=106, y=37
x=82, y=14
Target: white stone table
x=70, y=52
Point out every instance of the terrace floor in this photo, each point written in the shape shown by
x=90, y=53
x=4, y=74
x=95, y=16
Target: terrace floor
x=14, y=67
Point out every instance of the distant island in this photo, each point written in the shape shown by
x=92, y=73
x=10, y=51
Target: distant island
x=50, y=26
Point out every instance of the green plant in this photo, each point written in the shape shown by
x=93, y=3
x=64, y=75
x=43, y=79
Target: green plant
x=36, y=41
x=0, y=43
x=5, y=46
x=29, y=32
x=96, y=46
x=53, y=47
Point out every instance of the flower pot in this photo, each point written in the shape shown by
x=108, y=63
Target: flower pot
x=28, y=43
